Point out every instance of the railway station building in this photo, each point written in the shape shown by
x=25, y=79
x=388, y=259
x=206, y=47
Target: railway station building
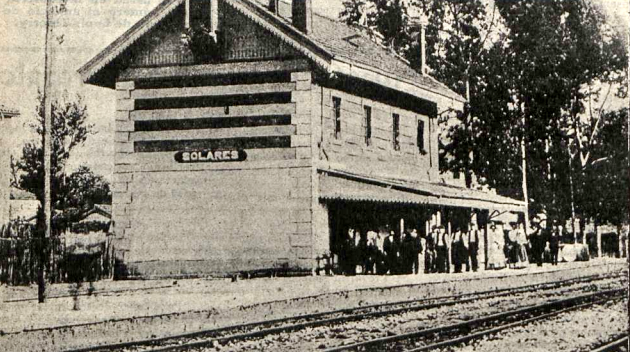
x=250, y=134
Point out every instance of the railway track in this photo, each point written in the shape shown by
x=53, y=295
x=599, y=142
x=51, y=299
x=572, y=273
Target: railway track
x=617, y=345
x=455, y=334
x=234, y=334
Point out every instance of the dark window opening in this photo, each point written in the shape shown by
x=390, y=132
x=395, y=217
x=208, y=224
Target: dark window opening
x=337, y=114
x=396, y=132
x=368, y=124
x=456, y=175
x=421, y=137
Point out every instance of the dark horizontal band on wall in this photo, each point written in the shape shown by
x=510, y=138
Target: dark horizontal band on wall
x=226, y=143
x=212, y=122
x=201, y=102
x=276, y=77
x=214, y=74
x=385, y=95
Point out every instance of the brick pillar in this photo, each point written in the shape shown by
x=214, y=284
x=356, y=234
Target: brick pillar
x=303, y=177
x=124, y=162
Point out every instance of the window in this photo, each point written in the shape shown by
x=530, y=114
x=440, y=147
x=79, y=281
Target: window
x=421, y=137
x=337, y=115
x=367, y=124
x=396, y=132
x=456, y=175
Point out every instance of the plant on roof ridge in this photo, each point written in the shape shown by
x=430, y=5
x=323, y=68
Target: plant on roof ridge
x=204, y=44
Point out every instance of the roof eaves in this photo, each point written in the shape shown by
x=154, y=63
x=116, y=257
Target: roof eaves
x=349, y=67
x=111, y=52
x=8, y=112
x=473, y=195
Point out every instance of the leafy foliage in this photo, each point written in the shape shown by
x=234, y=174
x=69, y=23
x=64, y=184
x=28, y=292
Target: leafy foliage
x=604, y=190
x=531, y=71
x=73, y=194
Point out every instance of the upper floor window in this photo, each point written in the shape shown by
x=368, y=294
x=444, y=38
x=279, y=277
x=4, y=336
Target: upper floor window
x=337, y=115
x=367, y=123
x=421, y=136
x=396, y=132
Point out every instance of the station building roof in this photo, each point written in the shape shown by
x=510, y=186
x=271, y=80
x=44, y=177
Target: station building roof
x=333, y=46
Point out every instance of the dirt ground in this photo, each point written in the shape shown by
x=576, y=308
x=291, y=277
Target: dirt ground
x=127, y=299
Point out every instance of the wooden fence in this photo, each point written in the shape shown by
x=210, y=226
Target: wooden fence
x=20, y=257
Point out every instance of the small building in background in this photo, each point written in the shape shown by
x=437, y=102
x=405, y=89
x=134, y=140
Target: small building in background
x=23, y=205
x=8, y=116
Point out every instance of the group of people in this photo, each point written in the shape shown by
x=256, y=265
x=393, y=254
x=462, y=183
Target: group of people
x=376, y=253
x=464, y=246
x=545, y=243
x=382, y=253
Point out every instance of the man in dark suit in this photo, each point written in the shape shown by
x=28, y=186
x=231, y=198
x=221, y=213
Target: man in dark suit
x=442, y=246
x=429, y=251
x=391, y=248
x=417, y=249
x=406, y=252
x=472, y=245
x=458, y=249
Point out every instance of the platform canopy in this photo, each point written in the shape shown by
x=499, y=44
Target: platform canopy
x=342, y=186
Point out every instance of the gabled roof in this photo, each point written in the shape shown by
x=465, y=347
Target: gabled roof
x=6, y=111
x=352, y=46
x=20, y=194
x=332, y=45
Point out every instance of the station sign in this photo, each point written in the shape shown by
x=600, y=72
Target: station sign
x=210, y=156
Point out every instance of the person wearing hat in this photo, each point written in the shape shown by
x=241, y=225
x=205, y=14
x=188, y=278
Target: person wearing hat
x=513, y=247
x=442, y=245
x=407, y=250
x=417, y=250
x=537, y=241
x=472, y=246
x=348, y=253
x=429, y=251
x=458, y=249
x=391, y=247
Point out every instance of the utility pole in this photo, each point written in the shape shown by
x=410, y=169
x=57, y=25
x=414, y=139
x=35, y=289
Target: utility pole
x=572, y=198
x=43, y=245
x=524, y=171
x=628, y=133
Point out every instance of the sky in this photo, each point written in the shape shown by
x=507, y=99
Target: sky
x=87, y=27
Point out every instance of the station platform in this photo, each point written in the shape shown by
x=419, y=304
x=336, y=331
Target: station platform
x=135, y=310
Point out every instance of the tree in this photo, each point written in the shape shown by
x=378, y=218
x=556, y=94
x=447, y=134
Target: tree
x=528, y=69
x=560, y=47
x=81, y=191
x=604, y=193
x=69, y=130
x=457, y=35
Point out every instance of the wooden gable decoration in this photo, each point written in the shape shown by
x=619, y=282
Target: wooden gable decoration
x=239, y=39
x=246, y=40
